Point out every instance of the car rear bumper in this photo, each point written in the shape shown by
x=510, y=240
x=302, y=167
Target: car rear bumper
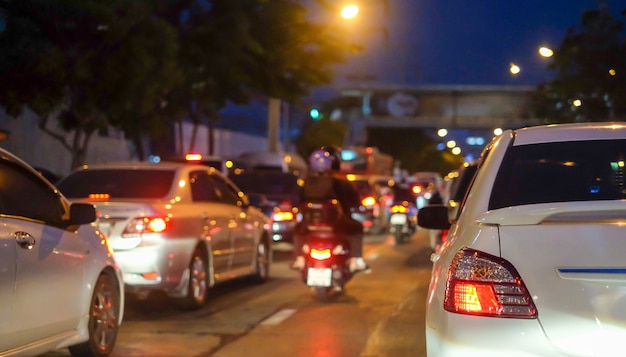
x=155, y=268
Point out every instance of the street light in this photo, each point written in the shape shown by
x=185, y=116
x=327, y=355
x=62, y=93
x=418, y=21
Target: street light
x=349, y=11
x=545, y=52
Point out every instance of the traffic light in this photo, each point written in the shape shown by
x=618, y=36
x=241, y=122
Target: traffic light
x=315, y=114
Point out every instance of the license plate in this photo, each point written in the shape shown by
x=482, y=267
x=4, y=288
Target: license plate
x=397, y=218
x=319, y=277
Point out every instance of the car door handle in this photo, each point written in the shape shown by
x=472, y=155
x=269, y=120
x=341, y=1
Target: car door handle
x=24, y=240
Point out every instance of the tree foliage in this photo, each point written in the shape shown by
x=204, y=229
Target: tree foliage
x=590, y=65
x=140, y=66
x=324, y=132
x=414, y=149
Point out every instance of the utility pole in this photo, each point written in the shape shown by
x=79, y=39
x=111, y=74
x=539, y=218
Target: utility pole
x=273, y=124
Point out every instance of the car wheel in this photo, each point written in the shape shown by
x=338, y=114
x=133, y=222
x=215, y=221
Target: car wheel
x=103, y=321
x=197, y=289
x=262, y=262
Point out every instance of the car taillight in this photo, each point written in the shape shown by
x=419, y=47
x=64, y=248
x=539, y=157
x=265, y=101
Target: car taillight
x=141, y=225
x=416, y=189
x=320, y=254
x=368, y=201
x=485, y=285
x=193, y=157
x=282, y=216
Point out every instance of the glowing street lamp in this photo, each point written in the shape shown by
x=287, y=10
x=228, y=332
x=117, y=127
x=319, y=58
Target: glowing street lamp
x=514, y=69
x=349, y=11
x=545, y=52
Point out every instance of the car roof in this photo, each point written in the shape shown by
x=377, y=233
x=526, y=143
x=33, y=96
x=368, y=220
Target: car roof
x=569, y=132
x=135, y=165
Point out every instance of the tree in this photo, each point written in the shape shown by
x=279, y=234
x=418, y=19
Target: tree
x=233, y=50
x=590, y=84
x=140, y=70
x=87, y=63
x=324, y=132
x=414, y=149
x=139, y=66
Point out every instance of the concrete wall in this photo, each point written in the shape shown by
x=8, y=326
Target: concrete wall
x=38, y=148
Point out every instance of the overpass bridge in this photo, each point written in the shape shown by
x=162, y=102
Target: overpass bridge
x=472, y=109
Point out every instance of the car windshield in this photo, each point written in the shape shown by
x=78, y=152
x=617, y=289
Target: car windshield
x=561, y=172
x=118, y=183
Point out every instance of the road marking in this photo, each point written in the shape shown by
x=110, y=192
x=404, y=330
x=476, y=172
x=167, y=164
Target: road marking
x=278, y=317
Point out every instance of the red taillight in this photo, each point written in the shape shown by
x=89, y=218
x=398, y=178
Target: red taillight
x=320, y=254
x=368, y=201
x=483, y=284
x=193, y=157
x=146, y=225
x=282, y=216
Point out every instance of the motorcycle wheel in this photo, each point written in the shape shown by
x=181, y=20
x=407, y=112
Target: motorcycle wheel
x=322, y=293
x=399, y=235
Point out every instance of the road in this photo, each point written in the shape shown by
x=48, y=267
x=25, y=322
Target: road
x=380, y=314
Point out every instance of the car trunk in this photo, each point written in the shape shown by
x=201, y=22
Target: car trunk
x=571, y=256
x=114, y=217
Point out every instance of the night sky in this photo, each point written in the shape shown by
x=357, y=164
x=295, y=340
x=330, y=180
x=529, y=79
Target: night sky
x=434, y=42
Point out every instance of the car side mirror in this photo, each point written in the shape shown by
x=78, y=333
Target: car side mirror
x=82, y=213
x=433, y=217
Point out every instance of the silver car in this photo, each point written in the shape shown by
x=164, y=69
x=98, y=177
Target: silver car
x=59, y=283
x=174, y=227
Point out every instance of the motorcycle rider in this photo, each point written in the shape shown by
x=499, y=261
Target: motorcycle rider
x=323, y=166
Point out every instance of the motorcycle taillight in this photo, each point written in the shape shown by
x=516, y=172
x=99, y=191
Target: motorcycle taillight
x=399, y=209
x=320, y=254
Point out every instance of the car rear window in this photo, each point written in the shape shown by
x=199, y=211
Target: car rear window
x=560, y=172
x=118, y=183
x=267, y=183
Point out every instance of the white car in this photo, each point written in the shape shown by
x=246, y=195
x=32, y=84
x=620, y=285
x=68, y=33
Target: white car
x=174, y=227
x=59, y=283
x=535, y=264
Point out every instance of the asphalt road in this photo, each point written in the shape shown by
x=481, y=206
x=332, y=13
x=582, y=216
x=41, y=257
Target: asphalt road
x=380, y=314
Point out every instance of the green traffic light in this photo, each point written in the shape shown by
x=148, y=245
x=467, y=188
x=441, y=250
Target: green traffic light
x=314, y=113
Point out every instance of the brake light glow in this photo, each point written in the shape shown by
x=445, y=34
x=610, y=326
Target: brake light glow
x=399, y=209
x=99, y=196
x=368, y=201
x=193, y=157
x=416, y=189
x=282, y=216
x=146, y=225
x=486, y=285
x=322, y=254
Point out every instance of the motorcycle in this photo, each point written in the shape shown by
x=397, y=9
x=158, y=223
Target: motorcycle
x=326, y=251
x=402, y=221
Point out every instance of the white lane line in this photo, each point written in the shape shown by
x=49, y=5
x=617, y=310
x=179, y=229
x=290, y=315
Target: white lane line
x=278, y=317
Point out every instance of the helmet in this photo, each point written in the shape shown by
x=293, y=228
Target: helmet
x=335, y=157
x=320, y=161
